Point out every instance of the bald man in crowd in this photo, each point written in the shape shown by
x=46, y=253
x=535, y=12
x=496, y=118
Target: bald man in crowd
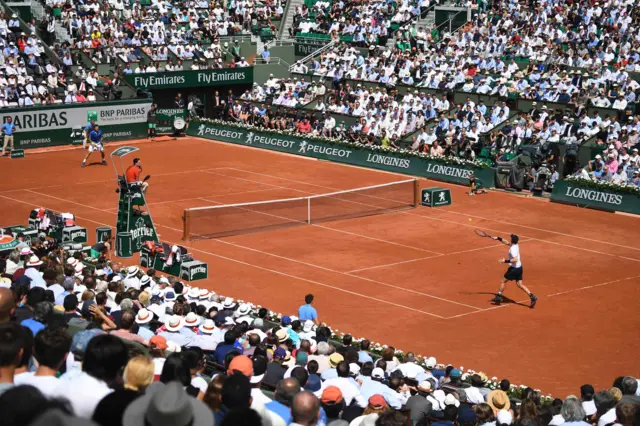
x=305, y=410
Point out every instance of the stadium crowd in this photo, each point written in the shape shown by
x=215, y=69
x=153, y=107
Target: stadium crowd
x=167, y=32
x=98, y=342
x=473, y=72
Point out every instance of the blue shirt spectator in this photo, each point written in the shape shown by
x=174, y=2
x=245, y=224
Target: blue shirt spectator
x=308, y=312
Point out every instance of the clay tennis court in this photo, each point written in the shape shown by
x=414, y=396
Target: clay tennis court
x=417, y=279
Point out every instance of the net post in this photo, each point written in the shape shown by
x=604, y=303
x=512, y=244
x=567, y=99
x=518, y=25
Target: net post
x=309, y=210
x=416, y=193
x=186, y=223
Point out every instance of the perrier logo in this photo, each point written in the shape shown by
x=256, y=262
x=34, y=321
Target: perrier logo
x=141, y=230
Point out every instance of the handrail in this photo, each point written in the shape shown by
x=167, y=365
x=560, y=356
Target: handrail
x=316, y=53
x=273, y=60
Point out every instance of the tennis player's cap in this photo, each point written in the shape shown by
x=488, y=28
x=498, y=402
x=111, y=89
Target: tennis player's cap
x=635, y=149
x=598, y=157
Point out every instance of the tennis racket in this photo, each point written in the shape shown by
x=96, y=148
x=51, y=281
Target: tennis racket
x=482, y=233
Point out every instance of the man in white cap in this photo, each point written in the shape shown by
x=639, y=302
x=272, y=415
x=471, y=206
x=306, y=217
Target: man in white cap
x=32, y=270
x=132, y=280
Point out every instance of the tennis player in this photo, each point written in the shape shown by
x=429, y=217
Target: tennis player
x=95, y=140
x=514, y=273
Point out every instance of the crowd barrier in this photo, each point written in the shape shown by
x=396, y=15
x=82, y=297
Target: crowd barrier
x=39, y=127
x=597, y=196
x=453, y=170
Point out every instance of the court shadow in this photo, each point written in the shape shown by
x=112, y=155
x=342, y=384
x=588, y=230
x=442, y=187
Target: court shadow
x=505, y=299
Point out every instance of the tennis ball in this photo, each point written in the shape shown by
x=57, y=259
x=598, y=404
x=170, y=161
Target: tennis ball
x=469, y=219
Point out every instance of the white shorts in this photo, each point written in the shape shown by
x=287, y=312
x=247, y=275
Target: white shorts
x=96, y=147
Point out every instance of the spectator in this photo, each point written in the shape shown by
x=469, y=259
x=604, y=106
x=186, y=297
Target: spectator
x=236, y=394
x=305, y=410
x=51, y=348
x=285, y=393
x=138, y=374
x=167, y=404
x=104, y=358
x=11, y=350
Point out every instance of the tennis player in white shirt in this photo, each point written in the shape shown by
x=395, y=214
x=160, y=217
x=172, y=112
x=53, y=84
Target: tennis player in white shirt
x=514, y=273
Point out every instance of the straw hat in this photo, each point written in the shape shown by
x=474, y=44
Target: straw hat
x=498, y=400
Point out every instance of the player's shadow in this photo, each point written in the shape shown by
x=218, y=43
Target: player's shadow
x=505, y=299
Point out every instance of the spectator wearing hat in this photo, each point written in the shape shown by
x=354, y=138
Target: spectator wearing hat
x=167, y=404
x=332, y=403
x=172, y=331
x=32, y=270
x=373, y=384
x=498, y=400
x=103, y=362
x=144, y=317
x=504, y=418
x=275, y=370
x=331, y=373
x=350, y=391
x=157, y=350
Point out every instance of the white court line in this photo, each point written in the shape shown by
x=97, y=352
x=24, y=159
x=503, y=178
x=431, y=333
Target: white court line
x=540, y=229
x=549, y=295
x=248, y=264
x=430, y=257
x=593, y=286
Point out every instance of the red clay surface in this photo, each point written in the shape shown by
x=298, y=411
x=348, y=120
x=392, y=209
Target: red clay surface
x=419, y=280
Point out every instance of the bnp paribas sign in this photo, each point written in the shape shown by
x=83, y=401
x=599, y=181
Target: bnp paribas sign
x=183, y=79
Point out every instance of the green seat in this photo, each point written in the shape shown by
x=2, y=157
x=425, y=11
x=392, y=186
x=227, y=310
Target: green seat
x=57, y=12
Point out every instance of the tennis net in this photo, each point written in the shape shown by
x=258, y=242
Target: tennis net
x=234, y=219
